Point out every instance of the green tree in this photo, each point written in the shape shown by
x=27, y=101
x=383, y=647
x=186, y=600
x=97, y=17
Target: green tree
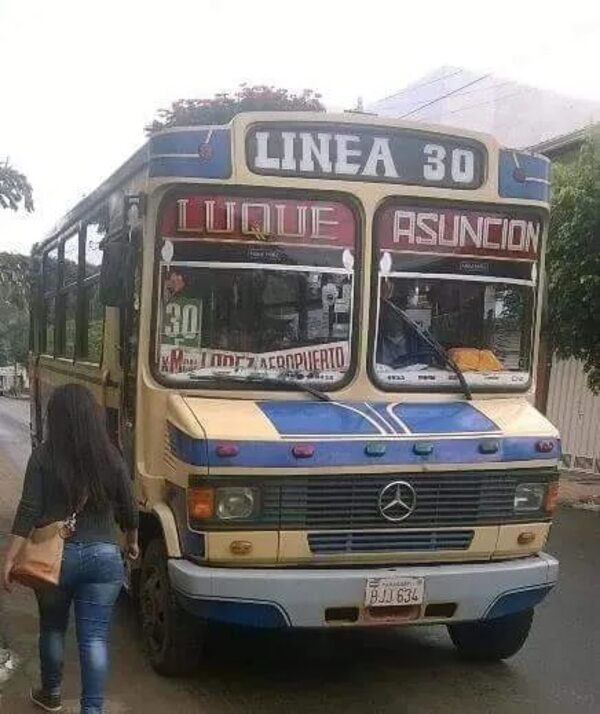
x=221, y=108
x=15, y=193
x=14, y=279
x=573, y=262
x=15, y=189
x=14, y=327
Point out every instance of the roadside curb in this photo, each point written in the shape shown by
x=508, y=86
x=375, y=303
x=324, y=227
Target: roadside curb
x=592, y=505
x=579, y=490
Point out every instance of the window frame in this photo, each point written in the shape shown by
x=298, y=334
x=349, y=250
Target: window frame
x=87, y=283
x=349, y=200
x=62, y=291
x=434, y=203
x=46, y=296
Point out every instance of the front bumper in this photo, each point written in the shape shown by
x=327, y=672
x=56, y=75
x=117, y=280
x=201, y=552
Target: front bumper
x=300, y=597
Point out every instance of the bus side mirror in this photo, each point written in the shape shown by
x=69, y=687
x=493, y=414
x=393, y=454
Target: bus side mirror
x=116, y=275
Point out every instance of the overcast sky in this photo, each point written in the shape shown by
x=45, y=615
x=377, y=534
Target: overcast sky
x=79, y=80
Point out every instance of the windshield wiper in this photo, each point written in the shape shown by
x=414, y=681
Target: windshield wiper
x=293, y=386
x=438, y=348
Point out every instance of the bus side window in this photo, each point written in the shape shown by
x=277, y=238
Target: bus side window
x=49, y=291
x=93, y=313
x=68, y=297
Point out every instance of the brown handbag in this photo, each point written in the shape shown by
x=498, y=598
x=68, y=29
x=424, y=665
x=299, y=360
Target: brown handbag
x=39, y=561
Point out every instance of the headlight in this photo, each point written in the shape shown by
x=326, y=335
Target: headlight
x=236, y=503
x=529, y=497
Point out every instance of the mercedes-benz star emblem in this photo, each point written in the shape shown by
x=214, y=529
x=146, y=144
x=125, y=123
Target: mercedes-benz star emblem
x=397, y=501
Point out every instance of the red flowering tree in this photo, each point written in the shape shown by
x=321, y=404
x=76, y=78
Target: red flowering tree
x=223, y=107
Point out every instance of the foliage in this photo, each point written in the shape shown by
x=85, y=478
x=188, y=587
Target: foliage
x=223, y=107
x=14, y=317
x=15, y=193
x=573, y=262
x=14, y=335
x=14, y=279
x=15, y=189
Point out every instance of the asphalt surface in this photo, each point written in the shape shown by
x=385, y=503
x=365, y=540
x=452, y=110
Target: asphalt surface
x=401, y=671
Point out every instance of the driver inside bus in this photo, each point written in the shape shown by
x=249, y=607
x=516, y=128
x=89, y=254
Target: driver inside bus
x=393, y=342
x=398, y=344
x=173, y=285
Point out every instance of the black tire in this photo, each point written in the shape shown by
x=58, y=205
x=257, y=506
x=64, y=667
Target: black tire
x=172, y=638
x=492, y=640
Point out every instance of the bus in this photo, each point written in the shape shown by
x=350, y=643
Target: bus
x=315, y=340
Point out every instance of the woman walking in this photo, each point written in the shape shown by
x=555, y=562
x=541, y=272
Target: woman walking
x=77, y=470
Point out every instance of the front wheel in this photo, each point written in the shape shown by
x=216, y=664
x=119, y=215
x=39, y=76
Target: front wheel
x=492, y=640
x=172, y=638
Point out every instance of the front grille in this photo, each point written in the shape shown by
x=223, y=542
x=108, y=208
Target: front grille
x=380, y=542
x=350, y=502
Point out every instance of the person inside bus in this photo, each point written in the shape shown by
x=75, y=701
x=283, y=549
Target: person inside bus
x=175, y=283
x=77, y=470
x=398, y=344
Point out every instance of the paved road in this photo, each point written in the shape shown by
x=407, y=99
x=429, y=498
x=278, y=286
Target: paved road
x=400, y=672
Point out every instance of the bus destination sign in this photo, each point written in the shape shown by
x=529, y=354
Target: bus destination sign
x=365, y=153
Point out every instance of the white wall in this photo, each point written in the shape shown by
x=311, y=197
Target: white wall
x=576, y=412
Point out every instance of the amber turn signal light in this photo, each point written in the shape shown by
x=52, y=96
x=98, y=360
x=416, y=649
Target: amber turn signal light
x=526, y=538
x=201, y=502
x=551, y=497
x=240, y=547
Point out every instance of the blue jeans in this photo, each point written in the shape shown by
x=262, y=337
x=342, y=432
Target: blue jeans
x=92, y=576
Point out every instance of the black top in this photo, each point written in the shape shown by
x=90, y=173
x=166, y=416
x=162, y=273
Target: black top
x=43, y=501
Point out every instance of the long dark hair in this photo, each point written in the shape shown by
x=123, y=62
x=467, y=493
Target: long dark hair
x=85, y=461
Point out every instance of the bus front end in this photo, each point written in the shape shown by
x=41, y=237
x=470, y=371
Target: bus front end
x=342, y=332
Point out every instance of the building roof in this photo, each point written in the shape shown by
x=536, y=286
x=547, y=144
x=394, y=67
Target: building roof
x=566, y=142
x=518, y=115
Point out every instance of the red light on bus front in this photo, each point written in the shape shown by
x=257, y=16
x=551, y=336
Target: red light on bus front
x=545, y=446
x=303, y=451
x=227, y=450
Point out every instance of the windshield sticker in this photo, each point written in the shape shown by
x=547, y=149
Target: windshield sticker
x=314, y=362
x=182, y=322
x=255, y=288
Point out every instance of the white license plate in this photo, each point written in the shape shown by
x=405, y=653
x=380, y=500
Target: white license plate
x=393, y=592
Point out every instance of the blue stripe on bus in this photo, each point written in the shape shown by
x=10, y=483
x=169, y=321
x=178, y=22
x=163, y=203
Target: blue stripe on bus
x=203, y=154
x=517, y=601
x=443, y=418
x=367, y=418
x=248, y=613
x=269, y=454
x=189, y=167
x=322, y=418
x=523, y=175
x=186, y=448
x=188, y=142
x=379, y=410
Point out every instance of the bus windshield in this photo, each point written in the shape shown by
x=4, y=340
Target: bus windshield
x=465, y=279
x=255, y=288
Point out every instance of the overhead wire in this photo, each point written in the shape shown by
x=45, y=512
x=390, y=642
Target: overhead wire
x=487, y=88
x=444, y=96
x=422, y=84
x=490, y=101
x=458, y=90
